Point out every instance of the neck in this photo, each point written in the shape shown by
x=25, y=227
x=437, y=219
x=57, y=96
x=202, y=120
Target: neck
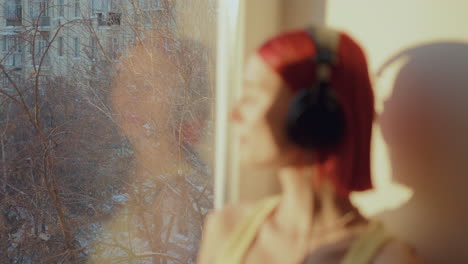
x=310, y=209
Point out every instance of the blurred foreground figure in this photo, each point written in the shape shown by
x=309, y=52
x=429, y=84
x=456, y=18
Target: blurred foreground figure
x=161, y=94
x=307, y=111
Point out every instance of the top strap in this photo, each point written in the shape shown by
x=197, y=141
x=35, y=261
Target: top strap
x=365, y=248
x=244, y=234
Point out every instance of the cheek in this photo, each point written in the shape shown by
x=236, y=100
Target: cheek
x=276, y=120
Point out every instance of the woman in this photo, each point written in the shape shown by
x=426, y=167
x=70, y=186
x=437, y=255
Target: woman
x=307, y=111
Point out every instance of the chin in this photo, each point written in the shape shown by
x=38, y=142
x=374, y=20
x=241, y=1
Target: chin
x=251, y=162
x=260, y=155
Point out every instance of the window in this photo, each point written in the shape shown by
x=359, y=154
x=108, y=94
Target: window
x=61, y=8
x=113, y=47
x=60, y=46
x=153, y=5
x=76, y=47
x=156, y=4
x=93, y=45
x=105, y=6
x=40, y=47
x=34, y=9
x=4, y=80
x=4, y=45
x=7, y=48
x=77, y=8
x=13, y=12
x=115, y=6
x=94, y=7
x=12, y=51
x=39, y=7
x=123, y=183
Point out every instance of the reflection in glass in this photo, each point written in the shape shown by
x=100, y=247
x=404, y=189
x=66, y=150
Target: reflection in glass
x=106, y=132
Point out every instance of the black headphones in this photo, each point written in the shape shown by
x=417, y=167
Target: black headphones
x=315, y=119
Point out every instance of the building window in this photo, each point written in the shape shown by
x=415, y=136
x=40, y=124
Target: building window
x=40, y=46
x=157, y=4
x=61, y=8
x=76, y=48
x=13, y=13
x=114, y=48
x=151, y=5
x=12, y=50
x=44, y=7
x=105, y=6
x=93, y=48
x=4, y=45
x=77, y=8
x=115, y=6
x=39, y=8
x=94, y=7
x=60, y=46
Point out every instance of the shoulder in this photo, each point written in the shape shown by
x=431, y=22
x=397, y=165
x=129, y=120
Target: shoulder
x=218, y=226
x=223, y=221
x=397, y=251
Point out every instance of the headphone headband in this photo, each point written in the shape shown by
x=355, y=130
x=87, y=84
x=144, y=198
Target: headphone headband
x=326, y=43
x=315, y=118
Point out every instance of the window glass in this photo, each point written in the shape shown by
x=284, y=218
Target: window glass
x=76, y=47
x=60, y=46
x=61, y=8
x=106, y=158
x=77, y=8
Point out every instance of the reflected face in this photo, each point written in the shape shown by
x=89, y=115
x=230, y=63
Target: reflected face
x=260, y=117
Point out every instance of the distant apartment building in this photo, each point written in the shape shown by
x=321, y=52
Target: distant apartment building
x=67, y=37
x=72, y=38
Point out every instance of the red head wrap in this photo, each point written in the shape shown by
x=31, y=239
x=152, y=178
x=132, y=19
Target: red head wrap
x=289, y=54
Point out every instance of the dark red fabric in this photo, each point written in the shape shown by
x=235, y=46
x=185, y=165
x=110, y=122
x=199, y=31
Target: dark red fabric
x=290, y=55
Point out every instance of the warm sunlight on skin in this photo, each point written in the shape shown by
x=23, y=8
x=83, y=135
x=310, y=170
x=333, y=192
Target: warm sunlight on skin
x=311, y=215
x=262, y=88
x=256, y=121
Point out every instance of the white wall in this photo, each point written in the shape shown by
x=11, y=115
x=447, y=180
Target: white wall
x=420, y=139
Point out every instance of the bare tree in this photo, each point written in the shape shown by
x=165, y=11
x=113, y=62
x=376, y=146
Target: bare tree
x=79, y=153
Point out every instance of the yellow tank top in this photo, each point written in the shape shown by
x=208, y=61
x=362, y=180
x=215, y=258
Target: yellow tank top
x=362, y=251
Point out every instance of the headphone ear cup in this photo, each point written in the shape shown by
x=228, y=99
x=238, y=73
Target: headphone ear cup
x=313, y=121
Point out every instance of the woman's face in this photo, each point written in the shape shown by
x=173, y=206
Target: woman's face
x=260, y=117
